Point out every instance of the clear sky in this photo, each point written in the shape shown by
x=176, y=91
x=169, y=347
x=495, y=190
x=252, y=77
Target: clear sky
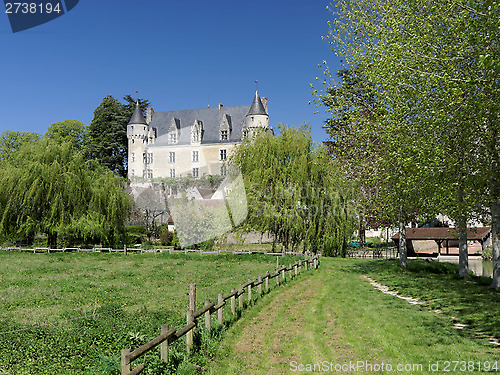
x=177, y=54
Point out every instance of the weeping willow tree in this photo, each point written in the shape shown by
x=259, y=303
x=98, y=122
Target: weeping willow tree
x=51, y=189
x=294, y=192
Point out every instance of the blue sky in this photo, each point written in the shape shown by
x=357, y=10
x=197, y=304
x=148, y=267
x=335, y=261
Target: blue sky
x=177, y=54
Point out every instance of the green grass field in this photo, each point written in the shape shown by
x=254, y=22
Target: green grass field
x=334, y=317
x=72, y=313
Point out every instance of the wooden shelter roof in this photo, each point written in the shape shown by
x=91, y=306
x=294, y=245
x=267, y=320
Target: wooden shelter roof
x=436, y=234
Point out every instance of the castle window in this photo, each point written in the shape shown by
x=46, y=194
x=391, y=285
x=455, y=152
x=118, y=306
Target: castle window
x=131, y=173
x=195, y=156
x=224, y=135
x=196, y=172
x=150, y=158
x=172, y=173
x=132, y=157
x=171, y=157
x=173, y=138
x=150, y=173
x=196, y=137
x=223, y=154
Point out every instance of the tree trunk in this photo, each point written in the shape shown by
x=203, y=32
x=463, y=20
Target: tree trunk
x=403, y=254
x=463, y=254
x=495, y=242
x=362, y=232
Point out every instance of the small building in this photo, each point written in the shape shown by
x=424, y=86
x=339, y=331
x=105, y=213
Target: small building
x=445, y=238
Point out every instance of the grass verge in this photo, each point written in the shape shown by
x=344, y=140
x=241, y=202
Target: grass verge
x=335, y=321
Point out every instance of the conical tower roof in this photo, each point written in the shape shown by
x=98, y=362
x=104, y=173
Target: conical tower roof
x=137, y=116
x=257, y=108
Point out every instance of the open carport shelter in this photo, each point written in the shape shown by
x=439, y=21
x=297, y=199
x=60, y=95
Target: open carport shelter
x=444, y=237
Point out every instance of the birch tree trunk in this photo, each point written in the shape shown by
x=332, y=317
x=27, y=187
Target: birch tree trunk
x=463, y=255
x=495, y=241
x=403, y=254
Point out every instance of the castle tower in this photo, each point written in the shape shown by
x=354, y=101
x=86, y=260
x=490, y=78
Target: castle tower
x=139, y=135
x=257, y=117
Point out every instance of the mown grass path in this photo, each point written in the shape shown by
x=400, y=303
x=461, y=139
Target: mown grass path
x=334, y=319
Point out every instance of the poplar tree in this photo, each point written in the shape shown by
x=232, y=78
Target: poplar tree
x=437, y=66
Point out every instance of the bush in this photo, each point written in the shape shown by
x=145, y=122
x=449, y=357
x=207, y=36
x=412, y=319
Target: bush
x=166, y=238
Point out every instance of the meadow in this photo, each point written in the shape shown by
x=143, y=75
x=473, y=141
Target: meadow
x=72, y=313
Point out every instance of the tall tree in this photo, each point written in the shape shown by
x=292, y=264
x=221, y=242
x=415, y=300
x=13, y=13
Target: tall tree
x=354, y=108
x=293, y=193
x=429, y=61
x=11, y=142
x=108, y=141
x=50, y=189
x=72, y=131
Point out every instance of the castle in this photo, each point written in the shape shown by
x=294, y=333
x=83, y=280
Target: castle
x=192, y=142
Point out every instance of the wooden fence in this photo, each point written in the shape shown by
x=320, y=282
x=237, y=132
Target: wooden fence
x=169, y=335
x=384, y=253
x=126, y=249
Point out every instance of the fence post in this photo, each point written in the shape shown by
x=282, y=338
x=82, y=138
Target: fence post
x=266, y=276
x=277, y=263
x=208, y=321
x=125, y=249
x=290, y=270
x=249, y=291
x=164, y=344
x=192, y=297
x=233, y=302
x=283, y=274
x=260, y=285
x=300, y=266
x=189, y=335
x=125, y=362
x=220, y=300
x=240, y=297
x=305, y=264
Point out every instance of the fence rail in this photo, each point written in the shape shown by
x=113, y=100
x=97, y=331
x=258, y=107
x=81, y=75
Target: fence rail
x=385, y=253
x=169, y=335
x=135, y=249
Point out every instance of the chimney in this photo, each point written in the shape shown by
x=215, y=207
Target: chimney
x=263, y=99
x=149, y=115
x=220, y=106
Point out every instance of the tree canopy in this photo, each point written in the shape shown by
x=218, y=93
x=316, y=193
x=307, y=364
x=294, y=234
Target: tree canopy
x=435, y=67
x=108, y=143
x=293, y=192
x=51, y=189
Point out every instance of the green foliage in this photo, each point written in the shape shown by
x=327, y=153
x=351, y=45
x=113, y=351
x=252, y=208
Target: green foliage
x=108, y=143
x=52, y=190
x=68, y=131
x=294, y=191
x=12, y=141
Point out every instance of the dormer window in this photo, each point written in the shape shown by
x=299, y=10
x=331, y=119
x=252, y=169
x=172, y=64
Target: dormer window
x=196, y=131
x=174, y=131
x=225, y=127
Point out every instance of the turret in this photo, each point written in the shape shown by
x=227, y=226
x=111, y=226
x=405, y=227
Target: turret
x=257, y=117
x=139, y=135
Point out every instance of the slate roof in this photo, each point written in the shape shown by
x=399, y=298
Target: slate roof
x=211, y=119
x=137, y=117
x=479, y=233
x=257, y=108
